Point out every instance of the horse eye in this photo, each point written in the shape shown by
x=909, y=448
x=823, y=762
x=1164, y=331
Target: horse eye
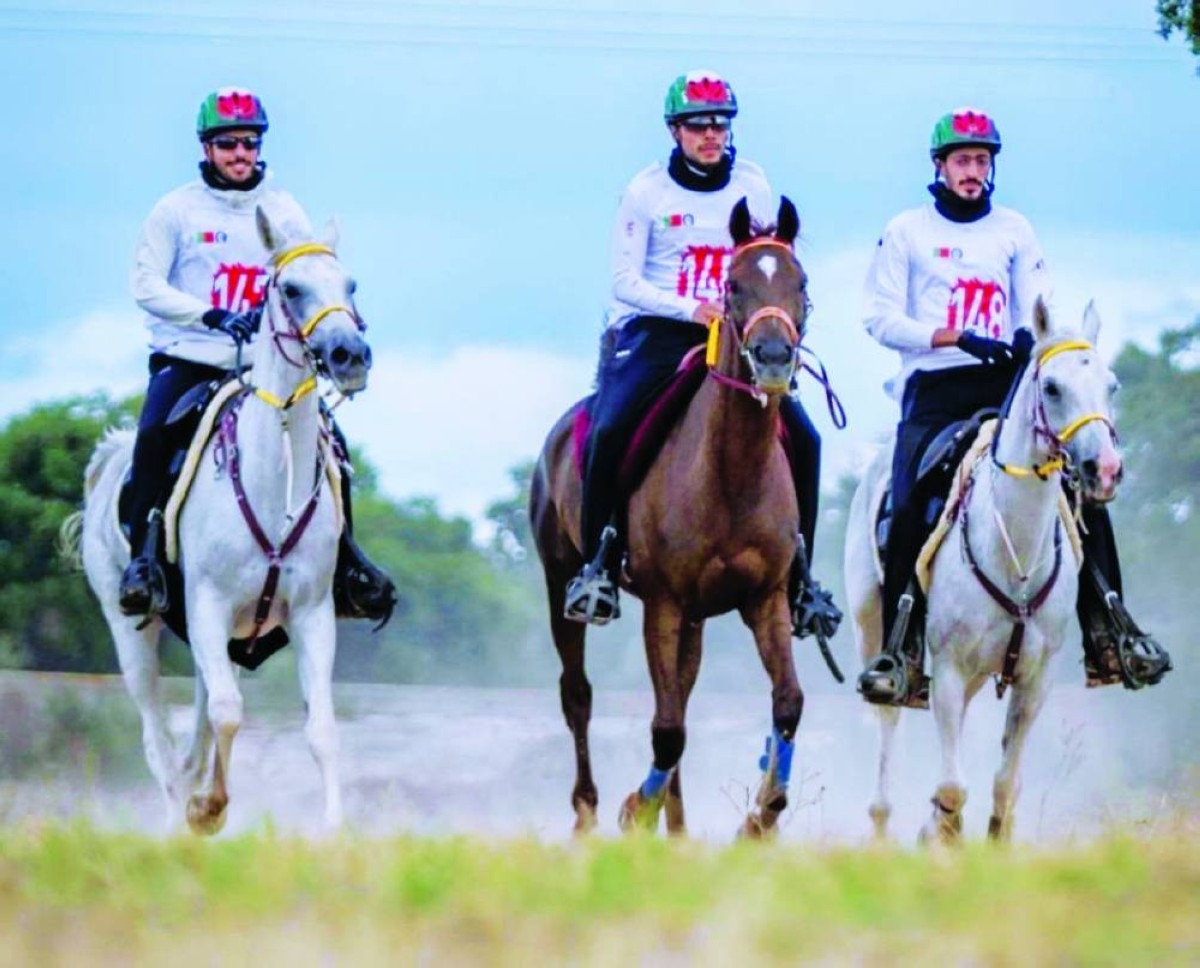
x=352, y=287
x=291, y=291
x=1114, y=387
x=734, y=288
x=1052, y=390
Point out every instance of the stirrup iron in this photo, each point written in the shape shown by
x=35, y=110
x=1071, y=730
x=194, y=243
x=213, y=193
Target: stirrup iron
x=591, y=595
x=1140, y=659
x=896, y=676
x=814, y=612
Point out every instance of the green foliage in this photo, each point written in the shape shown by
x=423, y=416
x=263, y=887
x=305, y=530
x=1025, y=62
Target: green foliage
x=46, y=615
x=1182, y=16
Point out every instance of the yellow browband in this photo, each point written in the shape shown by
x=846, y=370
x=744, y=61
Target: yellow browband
x=281, y=260
x=1043, y=471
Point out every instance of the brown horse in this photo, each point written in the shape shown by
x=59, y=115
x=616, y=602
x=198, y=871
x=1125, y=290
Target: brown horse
x=712, y=528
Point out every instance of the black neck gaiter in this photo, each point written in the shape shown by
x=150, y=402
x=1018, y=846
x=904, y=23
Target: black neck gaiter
x=958, y=209
x=693, y=177
x=214, y=179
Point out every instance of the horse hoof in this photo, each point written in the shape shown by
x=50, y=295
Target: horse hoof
x=585, y=820
x=998, y=830
x=205, y=816
x=638, y=813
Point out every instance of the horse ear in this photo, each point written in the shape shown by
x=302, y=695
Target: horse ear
x=1091, y=322
x=1041, y=319
x=271, y=237
x=788, y=221
x=331, y=233
x=739, y=222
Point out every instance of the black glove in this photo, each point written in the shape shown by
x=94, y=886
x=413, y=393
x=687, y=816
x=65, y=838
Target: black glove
x=238, y=326
x=1022, y=346
x=990, y=351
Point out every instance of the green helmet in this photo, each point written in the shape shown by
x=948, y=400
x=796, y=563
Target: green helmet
x=230, y=108
x=961, y=128
x=699, y=92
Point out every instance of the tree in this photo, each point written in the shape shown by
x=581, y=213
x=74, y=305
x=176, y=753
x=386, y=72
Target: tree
x=1182, y=16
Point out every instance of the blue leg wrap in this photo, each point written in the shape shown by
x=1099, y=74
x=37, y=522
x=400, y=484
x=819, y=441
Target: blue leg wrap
x=654, y=782
x=783, y=763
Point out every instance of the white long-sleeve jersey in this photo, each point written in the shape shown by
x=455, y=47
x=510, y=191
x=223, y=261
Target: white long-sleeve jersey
x=671, y=245
x=931, y=273
x=199, y=249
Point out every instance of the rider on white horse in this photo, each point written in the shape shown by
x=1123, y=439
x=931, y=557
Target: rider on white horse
x=200, y=272
x=670, y=255
x=951, y=287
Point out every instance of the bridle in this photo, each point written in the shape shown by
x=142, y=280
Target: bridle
x=1056, y=441
x=299, y=333
x=742, y=336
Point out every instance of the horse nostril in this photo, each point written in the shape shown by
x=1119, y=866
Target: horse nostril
x=1090, y=469
x=339, y=357
x=367, y=357
x=772, y=354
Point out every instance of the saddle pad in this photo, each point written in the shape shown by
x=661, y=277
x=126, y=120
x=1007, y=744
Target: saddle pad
x=979, y=451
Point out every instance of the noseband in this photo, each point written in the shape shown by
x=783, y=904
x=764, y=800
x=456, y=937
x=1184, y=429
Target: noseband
x=1056, y=441
x=295, y=331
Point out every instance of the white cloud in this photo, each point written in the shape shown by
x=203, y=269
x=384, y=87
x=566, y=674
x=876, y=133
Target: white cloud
x=451, y=426
x=102, y=350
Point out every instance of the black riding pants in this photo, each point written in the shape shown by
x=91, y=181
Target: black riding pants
x=647, y=353
x=933, y=400
x=157, y=443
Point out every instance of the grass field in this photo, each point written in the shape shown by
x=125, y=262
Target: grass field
x=72, y=895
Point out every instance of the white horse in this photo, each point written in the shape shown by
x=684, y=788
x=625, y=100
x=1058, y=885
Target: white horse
x=309, y=327
x=1059, y=422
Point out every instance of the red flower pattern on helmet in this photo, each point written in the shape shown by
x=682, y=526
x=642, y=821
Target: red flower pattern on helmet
x=237, y=104
x=707, y=89
x=971, y=122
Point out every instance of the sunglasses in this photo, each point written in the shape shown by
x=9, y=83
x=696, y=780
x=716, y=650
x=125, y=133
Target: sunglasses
x=701, y=125
x=228, y=143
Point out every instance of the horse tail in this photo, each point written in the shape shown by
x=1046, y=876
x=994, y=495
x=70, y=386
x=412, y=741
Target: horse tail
x=70, y=532
x=70, y=538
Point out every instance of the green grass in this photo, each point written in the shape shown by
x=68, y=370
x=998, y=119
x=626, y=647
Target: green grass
x=71, y=894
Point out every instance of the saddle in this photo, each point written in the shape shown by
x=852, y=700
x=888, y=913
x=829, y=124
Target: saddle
x=194, y=419
x=655, y=426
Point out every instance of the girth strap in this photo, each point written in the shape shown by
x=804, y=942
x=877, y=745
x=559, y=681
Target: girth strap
x=1021, y=613
x=228, y=449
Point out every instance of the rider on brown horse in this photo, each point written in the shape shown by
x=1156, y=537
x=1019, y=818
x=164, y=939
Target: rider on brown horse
x=671, y=249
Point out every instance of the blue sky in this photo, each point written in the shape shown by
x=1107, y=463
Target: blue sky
x=474, y=153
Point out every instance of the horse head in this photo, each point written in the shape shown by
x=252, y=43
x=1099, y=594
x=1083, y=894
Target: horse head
x=1072, y=390
x=766, y=303
x=314, y=296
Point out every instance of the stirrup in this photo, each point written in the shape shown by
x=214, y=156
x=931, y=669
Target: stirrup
x=360, y=590
x=143, y=589
x=591, y=598
x=814, y=613
x=896, y=676
x=1123, y=652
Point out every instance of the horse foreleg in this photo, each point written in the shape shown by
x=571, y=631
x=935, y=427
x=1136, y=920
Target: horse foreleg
x=196, y=762
x=316, y=646
x=137, y=653
x=772, y=626
x=880, y=809
x=690, y=645
x=949, y=699
x=576, y=695
x=1023, y=707
x=209, y=628
x=662, y=624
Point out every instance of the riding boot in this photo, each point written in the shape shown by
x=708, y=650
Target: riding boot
x=1115, y=649
x=144, y=585
x=896, y=676
x=360, y=589
x=813, y=609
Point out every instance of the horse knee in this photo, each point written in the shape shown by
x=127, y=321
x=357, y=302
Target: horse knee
x=668, y=746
